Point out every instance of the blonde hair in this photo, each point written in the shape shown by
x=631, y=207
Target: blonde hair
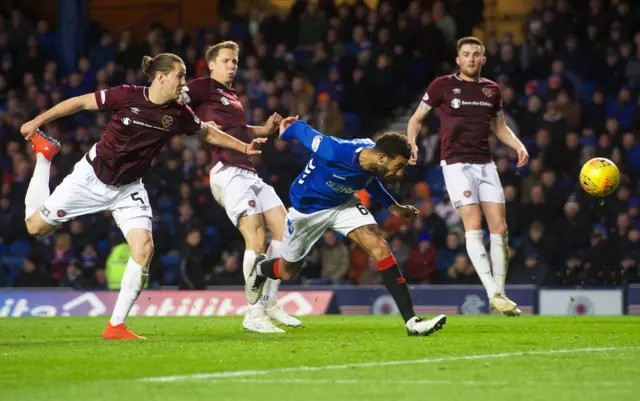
x=469, y=40
x=163, y=63
x=212, y=51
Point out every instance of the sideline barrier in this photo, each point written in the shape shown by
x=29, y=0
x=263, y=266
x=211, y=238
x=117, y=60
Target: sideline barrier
x=301, y=301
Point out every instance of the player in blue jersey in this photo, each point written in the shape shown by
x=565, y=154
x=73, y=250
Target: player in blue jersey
x=322, y=197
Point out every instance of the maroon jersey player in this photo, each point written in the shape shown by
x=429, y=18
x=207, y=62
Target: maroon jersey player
x=470, y=109
x=252, y=205
x=109, y=177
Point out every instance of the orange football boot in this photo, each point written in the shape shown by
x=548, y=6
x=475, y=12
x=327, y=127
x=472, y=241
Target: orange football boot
x=120, y=332
x=49, y=147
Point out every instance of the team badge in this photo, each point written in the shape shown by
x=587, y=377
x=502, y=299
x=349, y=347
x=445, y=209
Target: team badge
x=61, y=213
x=467, y=194
x=126, y=121
x=167, y=121
x=252, y=203
x=224, y=101
x=488, y=92
x=455, y=103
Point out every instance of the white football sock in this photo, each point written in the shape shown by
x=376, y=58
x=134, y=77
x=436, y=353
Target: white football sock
x=272, y=286
x=38, y=190
x=247, y=265
x=133, y=280
x=499, y=258
x=480, y=260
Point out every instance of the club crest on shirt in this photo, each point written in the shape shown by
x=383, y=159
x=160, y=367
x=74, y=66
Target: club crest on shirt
x=61, y=213
x=488, y=92
x=456, y=103
x=167, y=121
x=224, y=101
x=467, y=194
x=252, y=203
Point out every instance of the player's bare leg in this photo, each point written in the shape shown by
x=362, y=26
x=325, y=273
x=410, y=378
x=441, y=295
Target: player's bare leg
x=275, y=220
x=370, y=239
x=472, y=220
x=135, y=276
x=45, y=149
x=253, y=231
x=495, y=214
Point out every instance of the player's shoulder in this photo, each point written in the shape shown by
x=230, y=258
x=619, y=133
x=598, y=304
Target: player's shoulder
x=202, y=82
x=488, y=82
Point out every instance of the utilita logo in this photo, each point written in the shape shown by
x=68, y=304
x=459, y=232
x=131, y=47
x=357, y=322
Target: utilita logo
x=153, y=303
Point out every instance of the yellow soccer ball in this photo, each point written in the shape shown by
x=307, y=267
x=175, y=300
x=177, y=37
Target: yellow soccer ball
x=599, y=177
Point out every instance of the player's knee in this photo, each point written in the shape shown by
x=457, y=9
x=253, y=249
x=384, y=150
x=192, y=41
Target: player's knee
x=37, y=227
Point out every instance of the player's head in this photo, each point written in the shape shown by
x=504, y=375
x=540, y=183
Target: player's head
x=222, y=60
x=166, y=72
x=470, y=57
x=392, y=155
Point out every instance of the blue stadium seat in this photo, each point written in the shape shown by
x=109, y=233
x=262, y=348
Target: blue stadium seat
x=435, y=179
x=211, y=239
x=351, y=124
x=103, y=247
x=14, y=264
x=170, y=268
x=164, y=204
x=168, y=219
x=19, y=249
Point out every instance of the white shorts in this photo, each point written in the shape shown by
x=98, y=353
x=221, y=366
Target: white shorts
x=469, y=184
x=82, y=193
x=301, y=230
x=241, y=192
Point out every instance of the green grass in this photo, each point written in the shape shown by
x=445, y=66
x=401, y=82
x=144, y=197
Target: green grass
x=66, y=359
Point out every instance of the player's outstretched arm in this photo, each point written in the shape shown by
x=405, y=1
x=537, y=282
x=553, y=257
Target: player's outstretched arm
x=506, y=136
x=214, y=136
x=269, y=128
x=69, y=106
x=414, y=127
x=327, y=147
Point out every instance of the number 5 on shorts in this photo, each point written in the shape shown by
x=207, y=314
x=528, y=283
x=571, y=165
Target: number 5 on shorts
x=133, y=196
x=363, y=210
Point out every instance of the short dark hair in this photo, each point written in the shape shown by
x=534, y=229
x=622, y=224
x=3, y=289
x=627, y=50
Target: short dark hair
x=469, y=40
x=212, y=51
x=393, y=144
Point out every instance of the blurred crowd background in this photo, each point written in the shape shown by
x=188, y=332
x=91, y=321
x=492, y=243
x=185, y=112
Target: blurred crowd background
x=570, y=81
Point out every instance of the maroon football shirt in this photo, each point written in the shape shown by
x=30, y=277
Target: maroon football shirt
x=138, y=129
x=465, y=110
x=212, y=101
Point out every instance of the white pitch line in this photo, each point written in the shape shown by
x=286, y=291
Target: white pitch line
x=425, y=382
x=240, y=373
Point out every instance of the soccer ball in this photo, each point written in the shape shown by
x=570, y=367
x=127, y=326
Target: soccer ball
x=599, y=177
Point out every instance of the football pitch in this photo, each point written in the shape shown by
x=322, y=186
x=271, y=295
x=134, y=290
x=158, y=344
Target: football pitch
x=330, y=358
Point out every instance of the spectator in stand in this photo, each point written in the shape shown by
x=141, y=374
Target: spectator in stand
x=421, y=266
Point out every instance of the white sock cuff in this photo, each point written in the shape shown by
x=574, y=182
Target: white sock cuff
x=474, y=234
x=250, y=253
x=499, y=238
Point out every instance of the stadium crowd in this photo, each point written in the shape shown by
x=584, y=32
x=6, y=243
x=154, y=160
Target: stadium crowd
x=571, y=91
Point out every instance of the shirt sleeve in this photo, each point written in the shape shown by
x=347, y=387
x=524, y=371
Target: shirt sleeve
x=433, y=97
x=497, y=107
x=379, y=194
x=327, y=147
x=190, y=124
x=112, y=98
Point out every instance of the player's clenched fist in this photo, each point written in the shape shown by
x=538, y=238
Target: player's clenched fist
x=285, y=123
x=273, y=122
x=407, y=212
x=523, y=157
x=254, y=147
x=29, y=129
x=414, y=154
